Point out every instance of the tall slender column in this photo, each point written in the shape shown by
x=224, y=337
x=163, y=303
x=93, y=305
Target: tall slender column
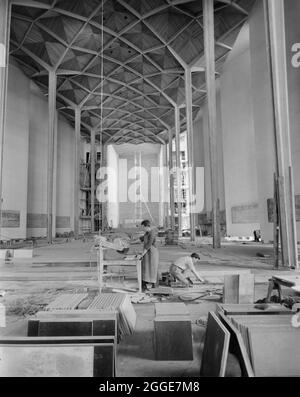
x=54, y=200
x=178, y=167
x=93, y=177
x=209, y=49
x=172, y=205
x=167, y=196
x=77, y=171
x=190, y=147
x=104, y=206
x=277, y=54
x=51, y=143
x=5, y=13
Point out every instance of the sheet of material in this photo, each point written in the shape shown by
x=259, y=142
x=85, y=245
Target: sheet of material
x=77, y=170
x=216, y=348
x=173, y=338
x=51, y=142
x=106, y=326
x=248, y=309
x=209, y=50
x=178, y=166
x=5, y=18
x=57, y=357
x=93, y=177
x=190, y=147
x=237, y=346
x=238, y=288
x=171, y=176
x=275, y=18
x=275, y=351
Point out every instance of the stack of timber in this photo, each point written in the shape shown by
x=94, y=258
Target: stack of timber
x=172, y=332
x=66, y=302
x=264, y=341
x=122, y=305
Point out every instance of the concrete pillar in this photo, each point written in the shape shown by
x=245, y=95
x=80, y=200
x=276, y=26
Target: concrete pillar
x=178, y=168
x=209, y=49
x=189, y=121
x=51, y=180
x=93, y=177
x=275, y=15
x=5, y=14
x=54, y=199
x=172, y=205
x=77, y=170
x=104, y=206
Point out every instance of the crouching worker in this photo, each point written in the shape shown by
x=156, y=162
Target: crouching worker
x=184, y=267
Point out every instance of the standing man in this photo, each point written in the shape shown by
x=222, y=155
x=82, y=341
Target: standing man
x=183, y=267
x=150, y=257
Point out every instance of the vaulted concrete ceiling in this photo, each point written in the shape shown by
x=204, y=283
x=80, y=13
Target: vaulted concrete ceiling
x=121, y=61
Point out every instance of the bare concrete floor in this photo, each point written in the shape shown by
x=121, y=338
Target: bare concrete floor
x=70, y=267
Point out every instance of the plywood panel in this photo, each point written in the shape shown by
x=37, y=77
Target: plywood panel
x=237, y=346
x=173, y=339
x=216, y=346
x=275, y=352
x=248, y=308
x=231, y=289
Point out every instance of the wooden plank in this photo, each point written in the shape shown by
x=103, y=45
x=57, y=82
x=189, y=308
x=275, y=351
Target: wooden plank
x=246, y=288
x=173, y=338
x=231, y=289
x=237, y=346
x=239, y=289
x=248, y=309
x=216, y=347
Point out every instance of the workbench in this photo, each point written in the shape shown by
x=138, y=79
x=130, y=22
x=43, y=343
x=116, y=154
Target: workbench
x=276, y=282
x=124, y=263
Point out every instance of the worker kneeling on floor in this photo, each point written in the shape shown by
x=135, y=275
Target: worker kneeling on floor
x=183, y=267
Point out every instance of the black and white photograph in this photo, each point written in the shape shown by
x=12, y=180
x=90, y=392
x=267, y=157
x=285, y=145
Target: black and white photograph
x=149, y=192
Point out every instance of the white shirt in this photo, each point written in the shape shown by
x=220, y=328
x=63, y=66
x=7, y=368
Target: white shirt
x=184, y=263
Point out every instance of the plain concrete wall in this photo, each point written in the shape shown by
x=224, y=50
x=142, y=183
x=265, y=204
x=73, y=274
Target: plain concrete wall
x=147, y=210
x=240, y=173
x=25, y=161
x=15, y=159
x=37, y=166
